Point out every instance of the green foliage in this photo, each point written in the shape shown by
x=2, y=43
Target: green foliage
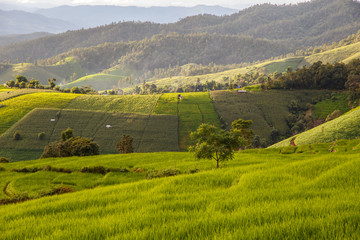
x=267, y=109
x=67, y=134
x=41, y=136
x=212, y=143
x=4, y=160
x=78, y=146
x=126, y=144
x=343, y=127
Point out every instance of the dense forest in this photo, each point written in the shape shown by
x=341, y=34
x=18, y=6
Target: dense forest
x=294, y=26
x=173, y=50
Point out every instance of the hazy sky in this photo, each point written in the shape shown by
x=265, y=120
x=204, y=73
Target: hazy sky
x=147, y=3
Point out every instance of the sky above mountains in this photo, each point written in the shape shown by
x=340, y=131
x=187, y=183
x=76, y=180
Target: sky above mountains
x=240, y=4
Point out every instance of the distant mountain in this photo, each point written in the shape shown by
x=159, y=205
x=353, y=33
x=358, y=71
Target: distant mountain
x=21, y=22
x=293, y=26
x=93, y=16
x=14, y=38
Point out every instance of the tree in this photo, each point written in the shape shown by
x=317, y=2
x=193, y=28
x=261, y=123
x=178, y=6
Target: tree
x=67, y=134
x=242, y=127
x=125, y=145
x=75, y=90
x=212, y=143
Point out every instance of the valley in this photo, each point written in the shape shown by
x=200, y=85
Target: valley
x=228, y=124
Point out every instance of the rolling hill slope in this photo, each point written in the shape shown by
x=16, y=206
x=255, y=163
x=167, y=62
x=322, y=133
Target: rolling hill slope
x=254, y=196
x=343, y=127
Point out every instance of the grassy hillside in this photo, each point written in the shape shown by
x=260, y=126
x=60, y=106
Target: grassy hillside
x=150, y=132
x=100, y=81
x=16, y=108
x=268, y=109
x=61, y=71
x=257, y=195
x=342, y=54
x=343, y=127
x=129, y=103
x=192, y=110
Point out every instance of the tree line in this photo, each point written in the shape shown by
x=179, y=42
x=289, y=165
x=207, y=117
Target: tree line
x=337, y=76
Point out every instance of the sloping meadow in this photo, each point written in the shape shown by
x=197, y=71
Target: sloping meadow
x=258, y=195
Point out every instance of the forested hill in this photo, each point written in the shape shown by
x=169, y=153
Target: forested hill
x=174, y=49
x=294, y=26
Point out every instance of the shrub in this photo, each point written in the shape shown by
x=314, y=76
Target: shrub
x=162, y=173
x=78, y=146
x=288, y=150
x=17, y=136
x=67, y=134
x=96, y=169
x=2, y=169
x=125, y=145
x=4, y=160
x=41, y=136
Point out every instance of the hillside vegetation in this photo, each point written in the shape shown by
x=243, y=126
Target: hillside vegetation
x=343, y=127
x=192, y=110
x=14, y=109
x=268, y=110
x=263, y=195
x=150, y=132
x=295, y=26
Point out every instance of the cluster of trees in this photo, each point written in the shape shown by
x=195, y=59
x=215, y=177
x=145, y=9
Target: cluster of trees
x=71, y=146
x=80, y=146
x=22, y=82
x=336, y=76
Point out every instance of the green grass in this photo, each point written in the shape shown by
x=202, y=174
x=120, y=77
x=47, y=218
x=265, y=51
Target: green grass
x=342, y=54
x=100, y=81
x=192, y=110
x=129, y=103
x=343, y=127
x=16, y=108
x=325, y=107
x=256, y=196
x=150, y=132
x=267, y=109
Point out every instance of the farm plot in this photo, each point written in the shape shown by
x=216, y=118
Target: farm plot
x=14, y=109
x=268, y=110
x=151, y=133
x=144, y=104
x=192, y=110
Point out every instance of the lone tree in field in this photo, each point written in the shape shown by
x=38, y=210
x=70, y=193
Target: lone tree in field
x=125, y=145
x=212, y=143
x=242, y=127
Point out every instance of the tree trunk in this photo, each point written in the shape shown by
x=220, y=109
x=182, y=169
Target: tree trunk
x=217, y=163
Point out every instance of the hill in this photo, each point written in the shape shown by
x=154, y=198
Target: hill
x=294, y=26
x=343, y=127
x=21, y=22
x=150, y=132
x=257, y=195
x=93, y=16
x=14, y=38
x=156, y=122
